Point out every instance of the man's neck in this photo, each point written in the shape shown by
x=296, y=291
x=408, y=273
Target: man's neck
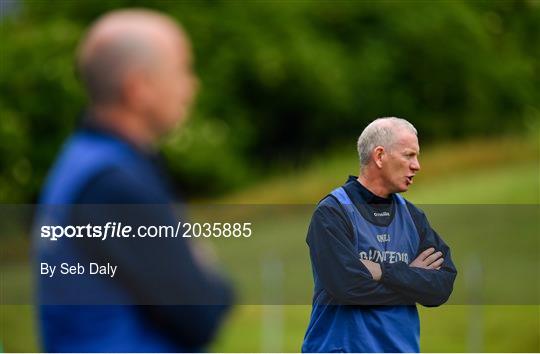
x=125, y=125
x=373, y=184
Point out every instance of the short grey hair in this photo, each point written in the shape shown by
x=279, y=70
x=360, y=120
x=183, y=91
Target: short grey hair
x=380, y=132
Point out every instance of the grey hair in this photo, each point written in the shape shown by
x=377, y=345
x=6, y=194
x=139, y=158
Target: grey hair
x=380, y=132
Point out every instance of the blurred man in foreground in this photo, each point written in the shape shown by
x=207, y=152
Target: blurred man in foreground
x=374, y=254
x=136, y=68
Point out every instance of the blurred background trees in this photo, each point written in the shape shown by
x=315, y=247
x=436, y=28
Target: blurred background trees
x=280, y=81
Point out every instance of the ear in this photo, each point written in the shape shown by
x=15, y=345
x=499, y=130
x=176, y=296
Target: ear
x=135, y=90
x=378, y=155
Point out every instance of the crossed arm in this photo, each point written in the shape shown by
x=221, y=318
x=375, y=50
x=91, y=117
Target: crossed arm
x=428, y=280
x=428, y=259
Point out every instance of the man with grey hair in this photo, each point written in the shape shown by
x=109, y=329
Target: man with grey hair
x=136, y=68
x=374, y=254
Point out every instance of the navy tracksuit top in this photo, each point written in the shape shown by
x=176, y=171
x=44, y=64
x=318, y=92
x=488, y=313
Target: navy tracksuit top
x=352, y=312
x=96, y=167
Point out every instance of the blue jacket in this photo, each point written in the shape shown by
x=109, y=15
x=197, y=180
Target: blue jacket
x=98, y=168
x=352, y=312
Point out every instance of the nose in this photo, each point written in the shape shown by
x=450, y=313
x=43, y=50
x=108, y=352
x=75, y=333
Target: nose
x=415, y=165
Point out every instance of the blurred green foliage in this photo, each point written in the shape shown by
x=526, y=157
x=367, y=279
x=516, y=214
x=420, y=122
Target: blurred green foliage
x=281, y=81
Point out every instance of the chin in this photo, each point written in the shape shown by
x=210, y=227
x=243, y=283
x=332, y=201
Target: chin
x=403, y=189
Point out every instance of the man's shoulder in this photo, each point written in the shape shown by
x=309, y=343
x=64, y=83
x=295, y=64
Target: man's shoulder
x=96, y=168
x=113, y=184
x=329, y=201
x=418, y=216
x=413, y=209
x=85, y=154
x=119, y=185
x=329, y=214
x=329, y=207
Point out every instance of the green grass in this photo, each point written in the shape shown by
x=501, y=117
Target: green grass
x=496, y=172
x=18, y=328
x=503, y=170
x=515, y=183
x=445, y=329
